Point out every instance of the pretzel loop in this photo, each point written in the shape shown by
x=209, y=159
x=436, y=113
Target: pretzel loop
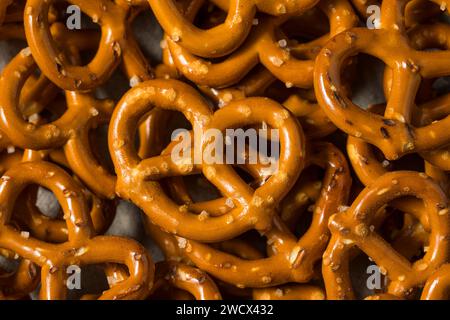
x=352, y=228
x=111, y=18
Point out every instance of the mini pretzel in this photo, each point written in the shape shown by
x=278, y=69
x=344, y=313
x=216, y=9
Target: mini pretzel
x=111, y=16
x=292, y=259
x=227, y=37
x=81, y=248
x=70, y=131
x=352, y=228
x=262, y=46
x=393, y=132
x=132, y=172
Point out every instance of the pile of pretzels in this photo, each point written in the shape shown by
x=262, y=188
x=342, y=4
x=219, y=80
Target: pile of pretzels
x=355, y=185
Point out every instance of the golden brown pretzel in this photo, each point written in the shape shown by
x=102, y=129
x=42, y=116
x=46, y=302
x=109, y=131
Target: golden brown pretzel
x=291, y=259
x=224, y=38
x=354, y=227
x=133, y=173
x=111, y=16
x=393, y=133
x=71, y=130
x=263, y=46
x=82, y=247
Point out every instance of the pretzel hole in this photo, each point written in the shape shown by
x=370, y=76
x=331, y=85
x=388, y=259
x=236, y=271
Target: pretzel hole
x=443, y=16
x=366, y=277
x=279, y=92
x=297, y=33
x=47, y=203
x=67, y=16
x=200, y=189
x=209, y=16
x=409, y=162
x=148, y=32
x=163, y=129
x=367, y=87
x=93, y=282
x=307, y=26
x=441, y=85
x=8, y=265
x=405, y=233
x=98, y=141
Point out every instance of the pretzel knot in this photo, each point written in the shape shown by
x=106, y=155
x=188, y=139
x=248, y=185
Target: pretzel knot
x=253, y=208
x=114, y=44
x=392, y=133
x=263, y=46
x=81, y=248
x=291, y=260
x=356, y=227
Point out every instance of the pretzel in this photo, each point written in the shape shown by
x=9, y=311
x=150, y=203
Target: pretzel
x=352, y=228
x=71, y=130
x=115, y=43
x=409, y=66
x=292, y=259
x=262, y=46
x=81, y=248
x=132, y=173
x=224, y=38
